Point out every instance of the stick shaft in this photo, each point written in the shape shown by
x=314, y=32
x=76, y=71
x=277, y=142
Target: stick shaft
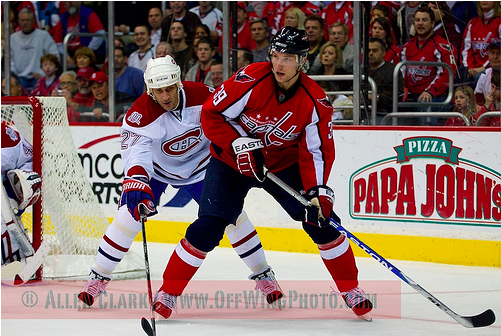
x=147, y=268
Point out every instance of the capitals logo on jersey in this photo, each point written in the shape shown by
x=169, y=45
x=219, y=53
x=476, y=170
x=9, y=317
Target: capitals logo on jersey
x=325, y=102
x=183, y=143
x=416, y=72
x=242, y=77
x=272, y=128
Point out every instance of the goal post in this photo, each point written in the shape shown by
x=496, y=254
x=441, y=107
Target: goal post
x=67, y=215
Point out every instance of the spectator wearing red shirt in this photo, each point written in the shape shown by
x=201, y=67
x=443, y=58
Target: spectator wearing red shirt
x=45, y=85
x=464, y=103
x=272, y=13
x=427, y=84
x=480, y=31
x=339, y=11
x=492, y=103
x=244, y=37
x=84, y=98
x=445, y=24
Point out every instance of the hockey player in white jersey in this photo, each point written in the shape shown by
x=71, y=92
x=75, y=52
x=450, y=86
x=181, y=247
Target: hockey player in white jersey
x=163, y=143
x=20, y=189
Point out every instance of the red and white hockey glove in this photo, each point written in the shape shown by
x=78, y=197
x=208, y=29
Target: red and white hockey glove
x=137, y=193
x=322, y=198
x=250, y=159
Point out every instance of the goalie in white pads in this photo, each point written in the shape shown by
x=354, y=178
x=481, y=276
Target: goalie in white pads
x=20, y=189
x=162, y=144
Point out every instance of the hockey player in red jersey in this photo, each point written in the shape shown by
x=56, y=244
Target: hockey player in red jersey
x=163, y=143
x=270, y=115
x=427, y=84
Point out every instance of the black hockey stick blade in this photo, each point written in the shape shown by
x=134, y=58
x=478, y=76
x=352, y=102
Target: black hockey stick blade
x=482, y=320
x=147, y=327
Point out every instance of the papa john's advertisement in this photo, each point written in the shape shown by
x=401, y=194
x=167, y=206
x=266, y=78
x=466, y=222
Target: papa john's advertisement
x=419, y=178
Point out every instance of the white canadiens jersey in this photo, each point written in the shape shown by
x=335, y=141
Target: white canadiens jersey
x=17, y=153
x=168, y=146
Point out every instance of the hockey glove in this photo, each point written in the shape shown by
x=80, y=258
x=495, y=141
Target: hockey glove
x=26, y=186
x=322, y=199
x=138, y=194
x=250, y=159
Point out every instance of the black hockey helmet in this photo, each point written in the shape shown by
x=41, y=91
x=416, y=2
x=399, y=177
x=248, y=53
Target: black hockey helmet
x=291, y=41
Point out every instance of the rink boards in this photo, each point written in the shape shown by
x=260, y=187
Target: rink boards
x=424, y=194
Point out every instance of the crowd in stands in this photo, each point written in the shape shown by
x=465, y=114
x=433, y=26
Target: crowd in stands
x=465, y=35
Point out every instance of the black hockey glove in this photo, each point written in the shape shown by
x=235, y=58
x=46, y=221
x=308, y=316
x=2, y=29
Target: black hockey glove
x=250, y=159
x=322, y=199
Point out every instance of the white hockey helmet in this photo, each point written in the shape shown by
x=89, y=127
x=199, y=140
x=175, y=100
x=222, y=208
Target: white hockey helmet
x=162, y=72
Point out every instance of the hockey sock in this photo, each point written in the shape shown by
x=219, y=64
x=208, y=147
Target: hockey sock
x=116, y=242
x=340, y=262
x=182, y=266
x=245, y=241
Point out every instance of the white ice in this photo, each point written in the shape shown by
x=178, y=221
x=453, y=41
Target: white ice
x=466, y=290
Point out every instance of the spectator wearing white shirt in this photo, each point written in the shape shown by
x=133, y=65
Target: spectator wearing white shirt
x=140, y=57
x=27, y=47
x=155, y=18
x=210, y=16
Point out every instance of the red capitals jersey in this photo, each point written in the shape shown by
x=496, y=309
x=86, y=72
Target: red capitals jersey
x=392, y=54
x=293, y=129
x=433, y=79
x=477, y=36
x=343, y=14
x=271, y=14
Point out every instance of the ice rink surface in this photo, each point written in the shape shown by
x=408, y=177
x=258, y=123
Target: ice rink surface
x=466, y=290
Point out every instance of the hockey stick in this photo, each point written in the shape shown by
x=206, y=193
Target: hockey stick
x=481, y=320
x=32, y=264
x=148, y=328
x=11, y=269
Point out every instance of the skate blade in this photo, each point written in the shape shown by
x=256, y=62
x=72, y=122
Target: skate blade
x=366, y=317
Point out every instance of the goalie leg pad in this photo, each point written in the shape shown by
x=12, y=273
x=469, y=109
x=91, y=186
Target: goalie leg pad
x=245, y=241
x=10, y=247
x=14, y=226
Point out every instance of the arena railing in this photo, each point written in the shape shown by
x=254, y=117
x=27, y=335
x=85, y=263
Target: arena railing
x=396, y=103
x=356, y=112
x=394, y=115
x=488, y=114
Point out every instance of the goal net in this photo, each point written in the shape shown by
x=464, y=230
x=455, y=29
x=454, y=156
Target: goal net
x=68, y=216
